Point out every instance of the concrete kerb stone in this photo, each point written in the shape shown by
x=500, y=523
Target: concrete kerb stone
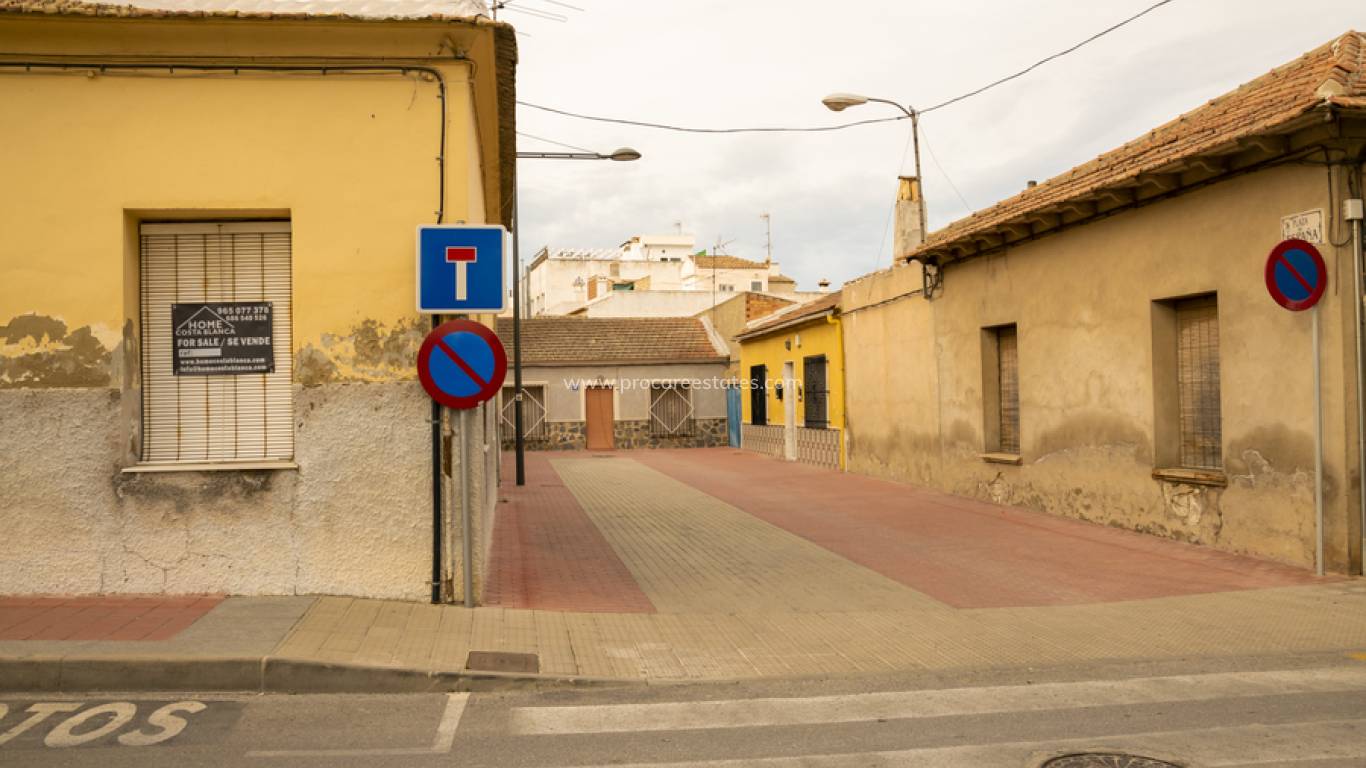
x=263, y=674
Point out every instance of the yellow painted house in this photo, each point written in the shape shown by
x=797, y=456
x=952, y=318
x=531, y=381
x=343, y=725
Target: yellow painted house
x=792, y=366
x=157, y=162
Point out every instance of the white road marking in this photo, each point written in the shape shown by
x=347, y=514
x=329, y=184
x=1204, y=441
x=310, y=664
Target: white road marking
x=38, y=713
x=445, y=738
x=64, y=735
x=754, y=713
x=1207, y=747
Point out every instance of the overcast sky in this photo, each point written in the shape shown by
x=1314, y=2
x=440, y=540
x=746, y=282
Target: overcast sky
x=709, y=63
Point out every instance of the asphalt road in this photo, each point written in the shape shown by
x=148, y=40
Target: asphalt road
x=1301, y=712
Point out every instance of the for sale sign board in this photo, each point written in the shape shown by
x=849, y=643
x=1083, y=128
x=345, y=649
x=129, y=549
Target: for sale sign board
x=223, y=338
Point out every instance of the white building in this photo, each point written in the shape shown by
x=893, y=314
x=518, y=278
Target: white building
x=563, y=281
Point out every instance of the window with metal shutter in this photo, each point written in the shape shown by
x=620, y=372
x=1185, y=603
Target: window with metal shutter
x=1008, y=376
x=1197, y=372
x=219, y=418
x=533, y=411
x=671, y=412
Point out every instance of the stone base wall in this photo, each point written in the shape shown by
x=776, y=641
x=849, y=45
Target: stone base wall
x=559, y=436
x=706, y=433
x=572, y=435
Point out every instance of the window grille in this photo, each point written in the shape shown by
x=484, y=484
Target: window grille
x=195, y=419
x=671, y=409
x=817, y=397
x=533, y=411
x=1008, y=378
x=1197, y=371
x=758, y=395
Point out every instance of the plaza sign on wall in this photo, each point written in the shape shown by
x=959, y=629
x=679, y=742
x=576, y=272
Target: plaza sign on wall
x=222, y=338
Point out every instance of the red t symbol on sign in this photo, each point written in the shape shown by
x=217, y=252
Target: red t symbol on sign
x=461, y=257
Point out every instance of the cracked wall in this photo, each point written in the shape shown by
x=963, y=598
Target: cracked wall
x=355, y=519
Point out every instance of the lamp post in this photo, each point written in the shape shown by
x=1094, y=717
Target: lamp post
x=838, y=102
x=624, y=154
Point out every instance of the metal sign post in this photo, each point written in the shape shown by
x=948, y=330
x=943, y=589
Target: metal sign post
x=1296, y=277
x=461, y=365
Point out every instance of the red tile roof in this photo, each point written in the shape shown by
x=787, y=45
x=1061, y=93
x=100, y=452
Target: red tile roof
x=414, y=10
x=727, y=262
x=615, y=340
x=790, y=316
x=1332, y=75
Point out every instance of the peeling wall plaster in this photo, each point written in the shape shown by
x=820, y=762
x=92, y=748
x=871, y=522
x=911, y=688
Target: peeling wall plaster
x=39, y=351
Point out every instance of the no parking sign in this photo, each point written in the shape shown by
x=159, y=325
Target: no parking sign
x=461, y=364
x=1296, y=275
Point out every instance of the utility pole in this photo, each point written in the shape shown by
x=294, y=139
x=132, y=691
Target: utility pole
x=768, y=243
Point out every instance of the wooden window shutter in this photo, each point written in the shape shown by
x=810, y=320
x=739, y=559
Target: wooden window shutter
x=211, y=419
x=1008, y=376
x=1197, y=371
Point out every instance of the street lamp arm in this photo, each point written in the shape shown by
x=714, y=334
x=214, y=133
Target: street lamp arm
x=909, y=111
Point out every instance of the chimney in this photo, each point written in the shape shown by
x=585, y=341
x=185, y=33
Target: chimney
x=824, y=285
x=1031, y=184
x=909, y=214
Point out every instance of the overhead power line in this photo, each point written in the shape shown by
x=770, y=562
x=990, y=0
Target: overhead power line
x=1047, y=59
x=818, y=129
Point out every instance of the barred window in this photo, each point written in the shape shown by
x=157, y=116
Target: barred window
x=533, y=411
x=1001, y=389
x=671, y=411
x=816, y=413
x=1197, y=372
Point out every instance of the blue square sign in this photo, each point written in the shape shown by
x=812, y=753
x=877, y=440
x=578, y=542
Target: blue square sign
x=460, y=268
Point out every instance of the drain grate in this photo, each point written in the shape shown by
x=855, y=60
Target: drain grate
x=1107, y=760
x=502, y=661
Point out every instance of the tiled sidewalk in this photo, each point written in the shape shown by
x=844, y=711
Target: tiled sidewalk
x=111, y=618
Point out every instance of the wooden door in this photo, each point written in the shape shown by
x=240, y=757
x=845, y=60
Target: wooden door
x=597, y=408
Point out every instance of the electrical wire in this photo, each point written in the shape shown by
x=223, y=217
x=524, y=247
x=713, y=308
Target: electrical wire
x=1047, y=59
x=818, y=129
x=682, y=129
x=556, y=143
x=925, y=140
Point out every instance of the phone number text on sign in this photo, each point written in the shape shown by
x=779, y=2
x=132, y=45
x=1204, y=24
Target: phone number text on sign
x=222, y=338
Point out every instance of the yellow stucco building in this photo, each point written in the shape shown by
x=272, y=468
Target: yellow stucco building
x=792, y=366
x=159, y=160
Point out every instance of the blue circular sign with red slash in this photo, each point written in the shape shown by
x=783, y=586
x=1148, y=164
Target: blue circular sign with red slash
x=461, y=364
x=1296, y=275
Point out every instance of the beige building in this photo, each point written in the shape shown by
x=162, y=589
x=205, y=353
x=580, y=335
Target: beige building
x=611, y=383
x=1103, y=345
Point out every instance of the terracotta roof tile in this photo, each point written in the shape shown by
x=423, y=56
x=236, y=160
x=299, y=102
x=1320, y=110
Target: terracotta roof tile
x=368, y=10
x=1333, y=74
x=727, y=262
x=789, y=315
x=615, y=340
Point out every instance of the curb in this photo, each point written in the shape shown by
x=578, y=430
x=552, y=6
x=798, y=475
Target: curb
x=259, y=674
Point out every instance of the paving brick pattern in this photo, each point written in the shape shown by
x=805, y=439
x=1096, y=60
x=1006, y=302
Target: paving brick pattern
x=101, y=617
x=693, y=553
x=963, y=552
x=547, y=554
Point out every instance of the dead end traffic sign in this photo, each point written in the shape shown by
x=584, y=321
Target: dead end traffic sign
x=461, y=364
x=1296, y=275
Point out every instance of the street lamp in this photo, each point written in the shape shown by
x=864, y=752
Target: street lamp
x=838, y=102
x=622, y=155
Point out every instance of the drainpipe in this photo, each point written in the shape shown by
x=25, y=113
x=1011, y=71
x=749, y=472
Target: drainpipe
x=1352, y=211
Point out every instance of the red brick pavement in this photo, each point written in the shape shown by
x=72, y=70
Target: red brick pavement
x=113, y=617
x=547, y=554
x=963, y=552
